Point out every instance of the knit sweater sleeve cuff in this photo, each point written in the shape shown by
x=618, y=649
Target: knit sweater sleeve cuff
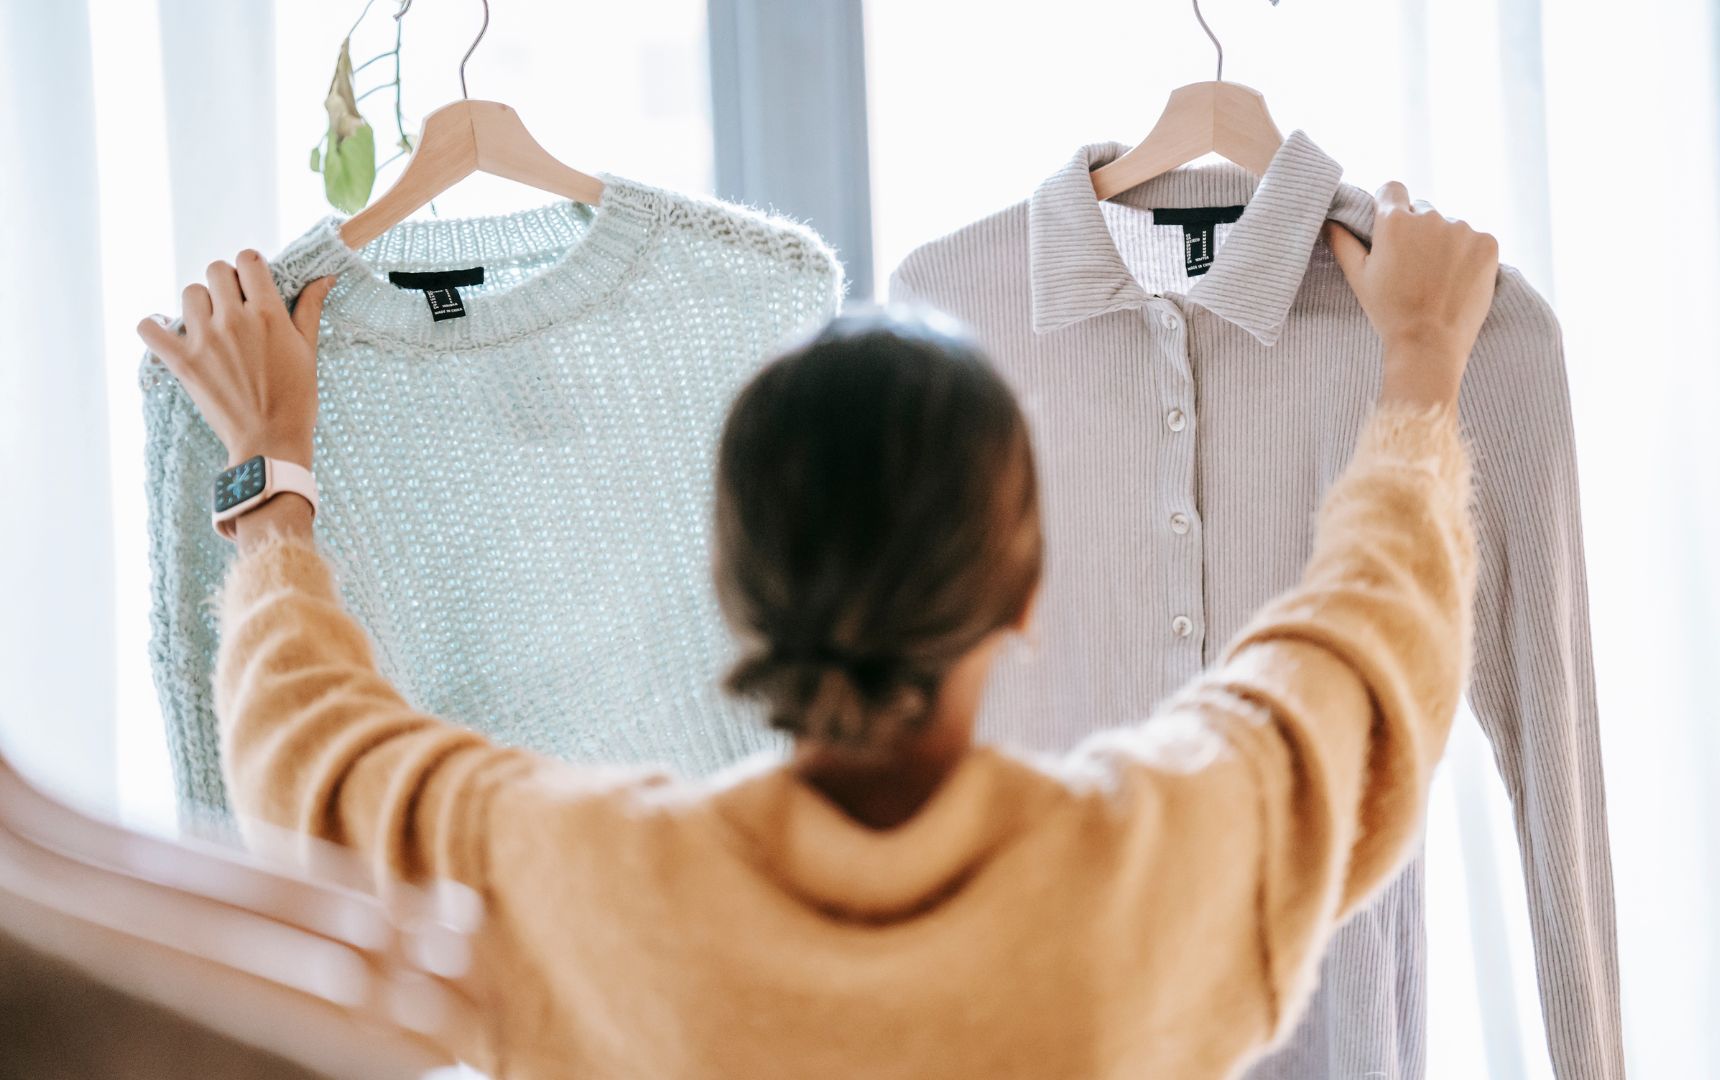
x=1423, y=438
x=275, y=562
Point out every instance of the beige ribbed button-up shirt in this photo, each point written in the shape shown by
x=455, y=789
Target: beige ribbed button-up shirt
x=1186, y=427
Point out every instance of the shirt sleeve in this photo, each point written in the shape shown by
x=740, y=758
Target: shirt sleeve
x=1306, y=752
x=1534, y=689
x=315, y=739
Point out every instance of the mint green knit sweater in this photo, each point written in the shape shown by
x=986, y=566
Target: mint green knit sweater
x=516, y=501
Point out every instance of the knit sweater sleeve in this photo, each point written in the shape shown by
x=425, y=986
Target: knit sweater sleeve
x=315, y=739
x=1306, y=752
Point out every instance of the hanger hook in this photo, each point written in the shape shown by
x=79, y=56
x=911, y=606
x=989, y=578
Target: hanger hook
x=481, y=31
x=405, y=5
x=1215, y=43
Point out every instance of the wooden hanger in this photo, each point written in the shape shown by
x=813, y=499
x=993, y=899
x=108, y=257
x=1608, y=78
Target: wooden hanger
x=1219, y=117
x=461, y=139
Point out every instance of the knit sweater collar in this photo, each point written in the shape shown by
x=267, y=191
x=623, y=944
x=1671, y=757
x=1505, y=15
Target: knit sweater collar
x=817, y=853
x=590, y=252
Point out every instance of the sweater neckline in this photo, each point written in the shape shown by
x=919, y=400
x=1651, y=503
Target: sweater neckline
x=815, y=851
x=592, y=250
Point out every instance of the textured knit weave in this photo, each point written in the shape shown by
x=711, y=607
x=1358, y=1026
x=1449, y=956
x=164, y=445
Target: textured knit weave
x=1185, y=429
x=1152, y=906
x=517, y=500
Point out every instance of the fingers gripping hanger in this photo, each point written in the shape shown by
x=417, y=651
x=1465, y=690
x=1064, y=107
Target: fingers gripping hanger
x=461, y=139
x=1201, y=118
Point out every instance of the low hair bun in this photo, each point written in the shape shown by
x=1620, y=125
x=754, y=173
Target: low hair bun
x=835, y=695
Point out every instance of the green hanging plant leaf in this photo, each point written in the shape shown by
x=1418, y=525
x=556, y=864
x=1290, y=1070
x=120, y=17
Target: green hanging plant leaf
x=349, y=169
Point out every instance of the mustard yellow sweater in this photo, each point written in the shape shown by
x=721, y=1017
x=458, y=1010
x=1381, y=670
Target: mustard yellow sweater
x=1152, y=904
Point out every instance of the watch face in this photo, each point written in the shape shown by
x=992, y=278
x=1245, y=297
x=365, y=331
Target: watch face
x=239, y=483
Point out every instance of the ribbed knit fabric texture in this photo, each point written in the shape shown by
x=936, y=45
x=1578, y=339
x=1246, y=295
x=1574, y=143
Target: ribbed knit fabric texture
x=517, y=501
x=1185, y=429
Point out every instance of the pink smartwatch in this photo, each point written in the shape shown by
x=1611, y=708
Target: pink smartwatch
x=253, y=482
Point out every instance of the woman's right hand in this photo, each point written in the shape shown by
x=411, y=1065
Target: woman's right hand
x=1426, y=285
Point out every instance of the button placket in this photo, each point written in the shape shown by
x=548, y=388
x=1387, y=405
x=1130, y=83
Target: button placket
x=1182, y=605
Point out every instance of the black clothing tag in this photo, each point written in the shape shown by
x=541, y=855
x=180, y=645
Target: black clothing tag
x=1197, y=223
x=445, y=304
x=439, y=287
x=436, y=279
x=1197, y=248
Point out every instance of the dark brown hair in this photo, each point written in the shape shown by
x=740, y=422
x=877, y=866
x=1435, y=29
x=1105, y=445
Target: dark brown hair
x=877, y=516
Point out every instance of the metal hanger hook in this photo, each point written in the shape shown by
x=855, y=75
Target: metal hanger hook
x=481, y=31
x=1215, y=42
x=406, y=5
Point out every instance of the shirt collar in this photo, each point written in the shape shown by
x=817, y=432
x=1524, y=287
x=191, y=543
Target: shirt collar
x=1077, y=272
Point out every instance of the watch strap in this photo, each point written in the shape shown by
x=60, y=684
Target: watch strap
x=291, y=476
x=279, y=476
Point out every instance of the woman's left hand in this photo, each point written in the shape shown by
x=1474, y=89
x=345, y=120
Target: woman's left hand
x=249, y=366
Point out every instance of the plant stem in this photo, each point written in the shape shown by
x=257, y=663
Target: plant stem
x=374, y=59
x=361, y=15
x=399, y=119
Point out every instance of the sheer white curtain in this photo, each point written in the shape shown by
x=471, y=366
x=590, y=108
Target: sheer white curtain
x=140, y=146
x=1587, y=137
x=57, y=649
x=70, y=662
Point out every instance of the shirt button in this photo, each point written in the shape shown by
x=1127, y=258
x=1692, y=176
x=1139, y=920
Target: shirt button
x=1169, y=321
x=1179, y=523
x=1175, y=420
x=1182, y=626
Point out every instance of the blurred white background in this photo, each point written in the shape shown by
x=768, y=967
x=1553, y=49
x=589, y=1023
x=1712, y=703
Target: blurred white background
x=141, y=138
